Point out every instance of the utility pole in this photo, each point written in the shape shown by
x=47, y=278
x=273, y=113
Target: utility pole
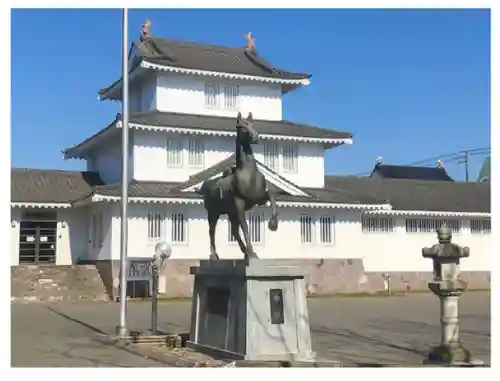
x=463, y=158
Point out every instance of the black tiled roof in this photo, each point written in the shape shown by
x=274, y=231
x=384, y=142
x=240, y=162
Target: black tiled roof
x=404, y=194
x=271, y=127
x=51, y=186
x=219, y=123
x=54, y=186
x=410, y=172
x=199, y=56
x=195, y=55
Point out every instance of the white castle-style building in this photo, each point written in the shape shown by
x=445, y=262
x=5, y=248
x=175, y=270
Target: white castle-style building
x=351, y=232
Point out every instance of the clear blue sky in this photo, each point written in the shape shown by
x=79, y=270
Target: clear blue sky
x=409, y=84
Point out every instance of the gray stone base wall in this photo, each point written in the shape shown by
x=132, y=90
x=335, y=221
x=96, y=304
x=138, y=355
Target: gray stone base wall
x=52, y=283
x=99, y=280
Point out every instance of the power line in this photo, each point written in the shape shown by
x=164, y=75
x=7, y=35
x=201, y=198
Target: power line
x=457, y=157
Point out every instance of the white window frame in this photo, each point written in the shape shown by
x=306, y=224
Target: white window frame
x=327, y=229
x=271, y=154
x=290, y=157
x=307, y=222
x=230, y=97
x=173, y=145
x=480, y=226
x=377, y=224
x=175, y=238
x=253, y=219
x=196, y=152
x=155, y=227
x=212, y=95
x=430, y=225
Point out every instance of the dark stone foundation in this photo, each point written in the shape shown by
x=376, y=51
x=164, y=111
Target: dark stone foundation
x=98, y=280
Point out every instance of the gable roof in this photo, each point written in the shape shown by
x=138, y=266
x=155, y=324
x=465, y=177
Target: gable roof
x=217, y=125
x=419, y=195
x=50, y=186
x=411, y=172
x=165, y=53
x=485, y=172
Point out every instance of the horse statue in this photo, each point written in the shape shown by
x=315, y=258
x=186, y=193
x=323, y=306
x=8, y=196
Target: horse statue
x=238, y=190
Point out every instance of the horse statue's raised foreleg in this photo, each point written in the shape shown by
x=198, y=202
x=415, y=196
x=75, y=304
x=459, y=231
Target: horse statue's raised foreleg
x=273, y=221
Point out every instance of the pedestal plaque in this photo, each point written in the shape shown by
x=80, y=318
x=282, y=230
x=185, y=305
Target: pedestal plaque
x=254, y=311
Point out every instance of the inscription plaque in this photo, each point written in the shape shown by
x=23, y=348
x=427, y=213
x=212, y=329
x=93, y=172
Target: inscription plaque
x=217, y=301
x=276, y=304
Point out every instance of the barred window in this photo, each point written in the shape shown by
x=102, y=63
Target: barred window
x=174, y=152
x=480, y=226
x=196, y=154
x=290, y=157
x=179, y=228
x=326, y=224
x=306, y=229
x=377, y=224
x=231, y=94
x=271, y=154
x=155, y=226
x=427, y=225
x=255, y=228
x=211, y=95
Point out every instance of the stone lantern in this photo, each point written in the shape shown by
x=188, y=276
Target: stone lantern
x=446, y=259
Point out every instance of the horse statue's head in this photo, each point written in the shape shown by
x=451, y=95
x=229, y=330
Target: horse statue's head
x=244, y=130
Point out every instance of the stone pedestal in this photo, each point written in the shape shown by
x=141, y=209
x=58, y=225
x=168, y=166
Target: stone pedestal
x=255, y=311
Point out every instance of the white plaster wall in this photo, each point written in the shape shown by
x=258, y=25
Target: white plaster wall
x=402, y=251
x=15, y=217
x=380, y=252
x=142, y=97
x=72, y=235
x=150, y=147
x=186, y=94
x=107, y=160
x=104, y=251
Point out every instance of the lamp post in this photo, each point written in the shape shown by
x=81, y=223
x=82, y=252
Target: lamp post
x=163, y=251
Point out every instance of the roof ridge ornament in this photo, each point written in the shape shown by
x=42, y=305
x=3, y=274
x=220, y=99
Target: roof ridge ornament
x=250, y=47
x=379, y=160
x=439, y=164
x=146, y=30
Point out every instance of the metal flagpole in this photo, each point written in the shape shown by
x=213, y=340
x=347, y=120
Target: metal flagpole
x=122, y=328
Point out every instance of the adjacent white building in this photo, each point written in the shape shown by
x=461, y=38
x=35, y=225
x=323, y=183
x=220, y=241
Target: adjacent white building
x=184, y=100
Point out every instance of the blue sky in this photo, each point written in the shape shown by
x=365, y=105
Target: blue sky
x=410, y=84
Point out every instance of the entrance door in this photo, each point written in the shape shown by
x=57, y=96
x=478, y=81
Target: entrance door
x=37, y=242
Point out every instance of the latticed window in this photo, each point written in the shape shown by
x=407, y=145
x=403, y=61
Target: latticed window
x=255, y=228
x=174, y=152
x=211, y=95
x=377, y=224
x=480, y=226
x=290, y=157
x=271, y=154
x=231, y=94
x=179, y=228
x=155, y=226
x=427, y=225
x=326, y=226
x=196, y=152
x=306, y=229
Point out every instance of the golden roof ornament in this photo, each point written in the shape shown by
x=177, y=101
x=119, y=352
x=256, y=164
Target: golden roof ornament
x=250, y=43
x=146, y=30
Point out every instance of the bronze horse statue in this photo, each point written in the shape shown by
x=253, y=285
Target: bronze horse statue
x=238, y=190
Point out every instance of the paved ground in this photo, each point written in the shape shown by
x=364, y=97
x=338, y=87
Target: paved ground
x=383, y=330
